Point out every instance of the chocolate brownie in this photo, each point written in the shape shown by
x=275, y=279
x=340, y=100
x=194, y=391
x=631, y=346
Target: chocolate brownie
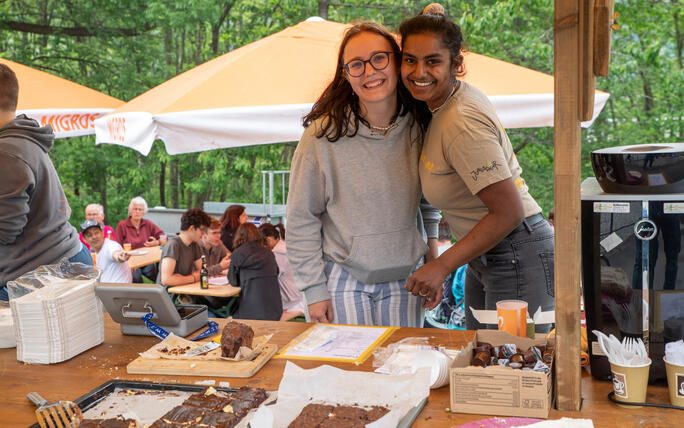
x=311, y=416
x=350, y=412
x=234, y=336
x=376, y=412
x=343, y=423
x=118, y=422
x=220, y=420
x=327, y=416
x=215, y=401
x=247, y=398
x=183, y=413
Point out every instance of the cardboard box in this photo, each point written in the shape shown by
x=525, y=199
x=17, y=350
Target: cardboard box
x=498, y=390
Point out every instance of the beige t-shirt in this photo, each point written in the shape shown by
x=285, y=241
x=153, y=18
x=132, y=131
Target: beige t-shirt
x=465, y=150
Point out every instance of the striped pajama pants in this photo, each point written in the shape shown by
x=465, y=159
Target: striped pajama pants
x=382, y=304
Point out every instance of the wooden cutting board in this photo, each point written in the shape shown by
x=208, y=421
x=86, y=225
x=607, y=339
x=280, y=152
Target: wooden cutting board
x=216, y=368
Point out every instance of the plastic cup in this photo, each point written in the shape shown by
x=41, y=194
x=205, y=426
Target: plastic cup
x=162, y=239
x=437, y=362
x=675, y=382
x=127, y=246
x=512, y=317
x=630, y=382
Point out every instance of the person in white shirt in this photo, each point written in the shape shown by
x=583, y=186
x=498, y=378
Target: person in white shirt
x=293, y=305
x=111, y=258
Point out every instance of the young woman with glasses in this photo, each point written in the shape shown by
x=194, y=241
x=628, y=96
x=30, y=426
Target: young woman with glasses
x=353, y=236
x=468, y=169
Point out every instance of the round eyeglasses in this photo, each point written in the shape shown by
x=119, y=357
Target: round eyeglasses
x=356, y=67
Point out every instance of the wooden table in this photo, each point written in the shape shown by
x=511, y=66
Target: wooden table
x=153, y=255
x=73, y=378
x=213, y=290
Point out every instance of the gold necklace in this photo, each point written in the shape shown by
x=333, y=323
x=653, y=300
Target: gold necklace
x=453, y=90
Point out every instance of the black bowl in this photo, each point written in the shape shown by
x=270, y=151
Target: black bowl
x=642, y=168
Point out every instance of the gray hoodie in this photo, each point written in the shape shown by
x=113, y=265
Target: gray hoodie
x=355, y=202
x=34, y=213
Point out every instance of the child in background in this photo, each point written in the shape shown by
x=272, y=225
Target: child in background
x=293, y=305
x=253, y=268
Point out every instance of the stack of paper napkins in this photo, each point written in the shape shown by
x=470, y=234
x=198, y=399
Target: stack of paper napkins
x=7, y=339
x=58, y=321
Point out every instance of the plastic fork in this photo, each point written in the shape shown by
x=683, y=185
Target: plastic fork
x=608, y=347
x=628, y=351
x=62, y=414
x=636, y=349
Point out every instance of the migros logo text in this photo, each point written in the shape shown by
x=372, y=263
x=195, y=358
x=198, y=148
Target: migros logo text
x=69, y=122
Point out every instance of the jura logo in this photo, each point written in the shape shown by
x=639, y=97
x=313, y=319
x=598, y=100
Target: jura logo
x=645, y=229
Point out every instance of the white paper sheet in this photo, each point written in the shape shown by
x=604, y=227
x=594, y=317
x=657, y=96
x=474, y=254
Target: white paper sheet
x=335, y=342
x=330, y=385
x=218, y=280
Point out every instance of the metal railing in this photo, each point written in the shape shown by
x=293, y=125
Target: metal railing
x=271, y=181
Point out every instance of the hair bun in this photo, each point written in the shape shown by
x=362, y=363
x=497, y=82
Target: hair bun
x=434, y=9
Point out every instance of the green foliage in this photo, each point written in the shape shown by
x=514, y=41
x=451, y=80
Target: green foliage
x=127, y=47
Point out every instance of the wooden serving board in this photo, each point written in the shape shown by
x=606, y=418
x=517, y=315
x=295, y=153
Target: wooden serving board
x=215, y=368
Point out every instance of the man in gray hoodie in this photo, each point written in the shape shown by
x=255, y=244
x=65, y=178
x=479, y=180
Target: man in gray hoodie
x=34, y=212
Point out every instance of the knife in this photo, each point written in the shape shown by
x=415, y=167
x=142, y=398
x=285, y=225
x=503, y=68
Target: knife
x=209, y=346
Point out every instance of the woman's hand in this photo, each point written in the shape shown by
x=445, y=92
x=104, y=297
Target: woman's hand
x=428, y=281
x=321, y=311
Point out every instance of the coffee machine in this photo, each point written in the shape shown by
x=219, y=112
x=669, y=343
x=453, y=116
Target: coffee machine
x=632, y=259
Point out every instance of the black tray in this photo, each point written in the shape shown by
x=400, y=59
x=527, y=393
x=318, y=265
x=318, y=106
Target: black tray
x=90, y=399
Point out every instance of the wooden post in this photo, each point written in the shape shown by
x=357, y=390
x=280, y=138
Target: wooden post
x=587, y=79
x=567, y=143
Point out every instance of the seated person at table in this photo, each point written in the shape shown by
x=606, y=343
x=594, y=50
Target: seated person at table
x=293, y=305
x=181, y=257
x=96, y=212
x=253, y=268
x=139, y=232
x=231, y=219
x=111, y=258
x=217, y=255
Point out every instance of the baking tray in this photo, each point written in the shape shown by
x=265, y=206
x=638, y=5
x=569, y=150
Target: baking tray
x=412, y=414
x=91, y=399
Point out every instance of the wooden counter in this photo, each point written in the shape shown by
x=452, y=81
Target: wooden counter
x=73, y=378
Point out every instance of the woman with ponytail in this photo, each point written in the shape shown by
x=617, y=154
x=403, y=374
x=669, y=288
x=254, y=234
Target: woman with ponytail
x=469, y=171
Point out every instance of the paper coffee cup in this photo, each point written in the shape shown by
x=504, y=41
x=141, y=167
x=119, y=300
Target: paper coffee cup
x=630, y=382
x=512, y=316
x=675, y=382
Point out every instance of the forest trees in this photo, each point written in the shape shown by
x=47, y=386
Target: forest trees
x=125, y=47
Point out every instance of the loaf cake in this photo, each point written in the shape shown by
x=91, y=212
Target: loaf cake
x=234, y=336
